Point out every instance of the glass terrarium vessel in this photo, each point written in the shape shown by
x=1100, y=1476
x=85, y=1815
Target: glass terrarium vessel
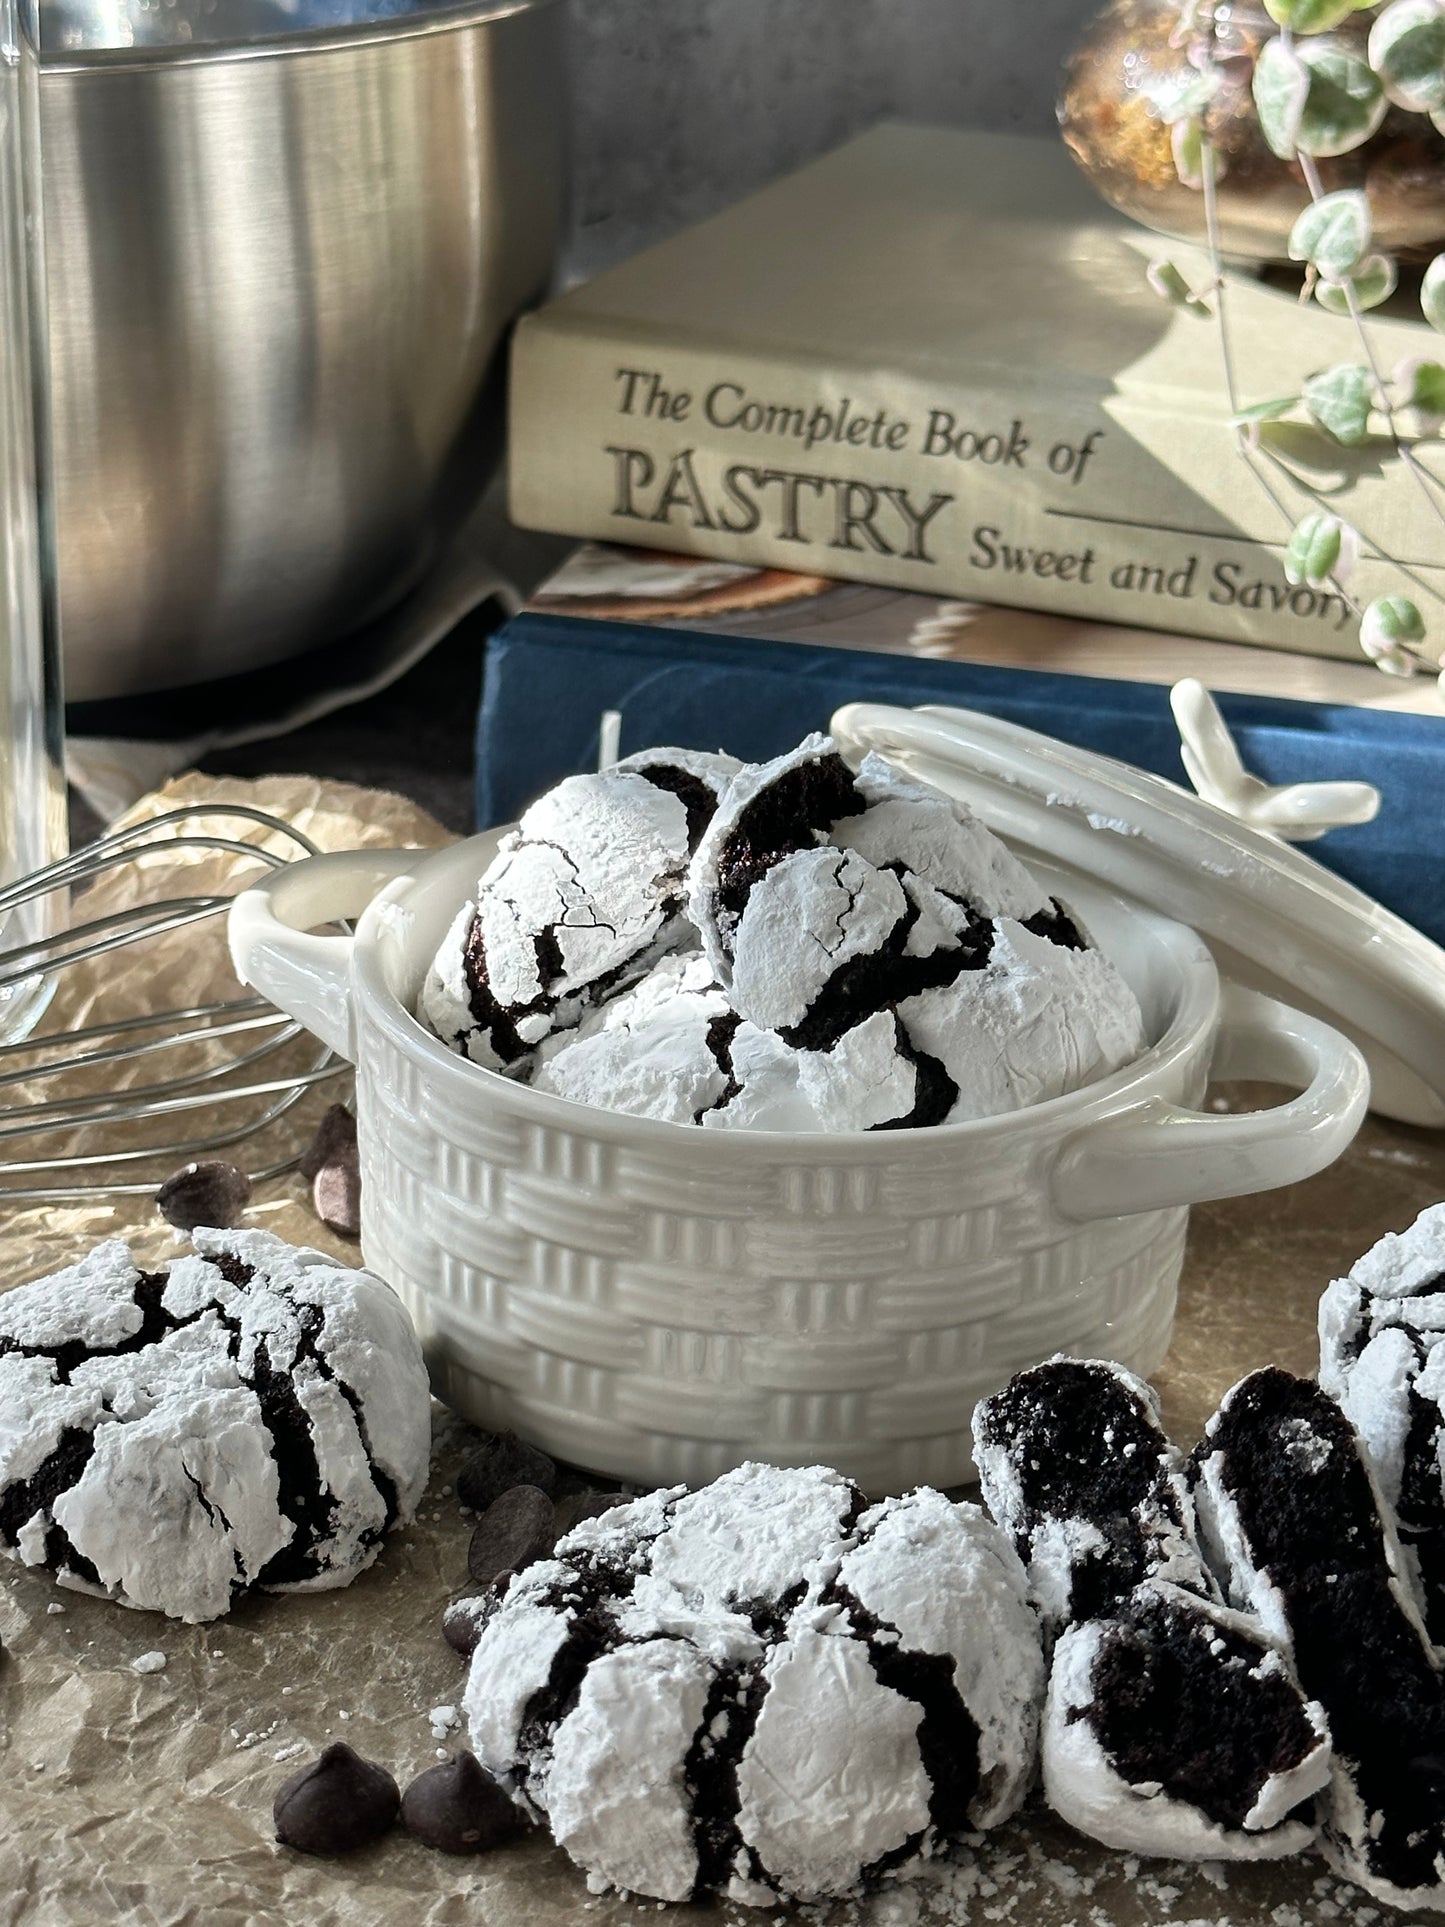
x=1112, y=127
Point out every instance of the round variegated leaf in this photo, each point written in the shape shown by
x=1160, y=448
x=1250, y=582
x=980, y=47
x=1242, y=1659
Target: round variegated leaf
x=1321, y=547
x=1186, y=141
x=1165, y=278
x=1407, y=51
x=1373, y=281
x=1333, y=232
x=1317, y=97
x=1340, y=400
x=1391, y=629
x=1420, y=387
x=1432, y=294
x=1311, y=16
x=1281, y=88
x=1264, y=411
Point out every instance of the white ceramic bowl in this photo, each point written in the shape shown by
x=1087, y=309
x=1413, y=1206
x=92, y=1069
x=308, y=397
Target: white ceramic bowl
x=659, y=1303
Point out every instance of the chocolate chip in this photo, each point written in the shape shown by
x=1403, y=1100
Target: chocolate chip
x=500, y=1462
x=338, y=1803
x=463, y=1620
x=459, y=1808
x=336, y=1194
x=514, y=1531
x=211, y=1193
x=334, y=1134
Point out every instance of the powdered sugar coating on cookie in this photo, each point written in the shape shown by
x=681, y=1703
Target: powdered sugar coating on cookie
x=828, y=1726
x=795, y=1743
x=632, y=1830
x=875, y=958
x=580, y=899
x=672, y=1048
x=942, y=1591
x=1382, y=1355
x=937, y=839
x=1040, y=1018
x=1287, y=1499
x=825, y=899
x=257, y=1416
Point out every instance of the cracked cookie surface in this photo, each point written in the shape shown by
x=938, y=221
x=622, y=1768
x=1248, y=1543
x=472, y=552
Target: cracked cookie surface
x=256, y=1415
x=872, y=956
x=579, y=900
x=1382, y=1355
x=763, y=1689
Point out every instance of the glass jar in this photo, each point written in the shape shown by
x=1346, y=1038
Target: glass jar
x=32, y=790
x=1114, y=133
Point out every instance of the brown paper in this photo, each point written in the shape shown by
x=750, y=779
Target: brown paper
x=147, y=1797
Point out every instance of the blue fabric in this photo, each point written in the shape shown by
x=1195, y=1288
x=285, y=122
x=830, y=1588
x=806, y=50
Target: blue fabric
x=548, y=679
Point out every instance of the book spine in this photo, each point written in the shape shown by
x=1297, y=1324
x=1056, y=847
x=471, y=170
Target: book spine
x=1114, y=507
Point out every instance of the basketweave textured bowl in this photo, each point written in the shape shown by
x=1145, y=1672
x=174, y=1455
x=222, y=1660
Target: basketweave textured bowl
x=659, y=1303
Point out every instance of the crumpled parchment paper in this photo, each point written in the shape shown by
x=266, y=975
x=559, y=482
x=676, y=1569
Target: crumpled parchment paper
x=146, y=1798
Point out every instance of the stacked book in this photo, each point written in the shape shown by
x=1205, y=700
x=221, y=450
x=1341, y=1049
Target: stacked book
x=709, y=655
x=931, y=360
x=909, y=426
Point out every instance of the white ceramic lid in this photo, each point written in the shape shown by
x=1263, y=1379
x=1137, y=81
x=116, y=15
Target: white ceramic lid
x=1275, y=919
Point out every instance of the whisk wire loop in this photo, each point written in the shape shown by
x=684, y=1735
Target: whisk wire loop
x=204, y=1061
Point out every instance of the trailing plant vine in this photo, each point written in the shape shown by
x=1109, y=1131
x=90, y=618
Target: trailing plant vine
x=1318, y=94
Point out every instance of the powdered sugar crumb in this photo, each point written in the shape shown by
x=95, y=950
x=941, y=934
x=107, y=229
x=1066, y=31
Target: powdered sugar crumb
x=1030, y=1873
x=443, y=1720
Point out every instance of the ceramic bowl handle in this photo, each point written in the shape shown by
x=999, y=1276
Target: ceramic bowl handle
x=274, y=946
x=1156, y=1154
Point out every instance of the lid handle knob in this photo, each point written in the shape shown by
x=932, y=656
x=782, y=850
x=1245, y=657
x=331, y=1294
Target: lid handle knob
x=1295, y=812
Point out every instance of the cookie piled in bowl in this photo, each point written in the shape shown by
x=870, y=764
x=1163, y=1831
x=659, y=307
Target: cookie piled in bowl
x=785, y=946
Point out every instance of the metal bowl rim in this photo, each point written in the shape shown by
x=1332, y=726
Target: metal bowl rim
x=313, y=40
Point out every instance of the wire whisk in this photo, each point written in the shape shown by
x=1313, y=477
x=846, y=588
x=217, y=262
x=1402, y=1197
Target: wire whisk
x=109, y=1106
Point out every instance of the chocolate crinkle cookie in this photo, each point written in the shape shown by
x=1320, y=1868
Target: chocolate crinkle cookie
x=257, y=1415
x=784, y=946
x=1172, y=1725
x=1175, y=1726
x=763, y=1689
x=580, y=900
x=1382, y=1355
x=870, y=915
x=1293, y=1514
x=1076, y=1468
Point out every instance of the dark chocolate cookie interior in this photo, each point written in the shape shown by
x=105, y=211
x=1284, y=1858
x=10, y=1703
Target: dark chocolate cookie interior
x=887, y=976
x=697, y=797
x=1180, y=1700
x=1082, y=1445
x=1289, y=1460
x=1421, y=1503
x=789, y=814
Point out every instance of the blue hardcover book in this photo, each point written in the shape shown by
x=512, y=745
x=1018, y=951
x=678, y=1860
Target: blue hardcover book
x=550, y=677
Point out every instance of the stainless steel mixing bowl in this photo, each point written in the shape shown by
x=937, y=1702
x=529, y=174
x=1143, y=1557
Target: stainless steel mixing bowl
x=279, y=272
